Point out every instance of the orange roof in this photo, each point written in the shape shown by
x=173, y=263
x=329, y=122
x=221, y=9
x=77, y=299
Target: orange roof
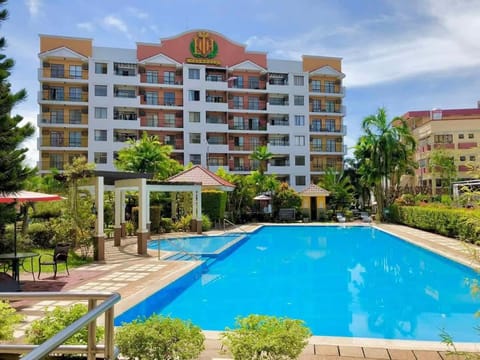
x=314, y=190
x=201, y=175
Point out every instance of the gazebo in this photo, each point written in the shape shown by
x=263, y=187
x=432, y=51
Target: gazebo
x=314, y=199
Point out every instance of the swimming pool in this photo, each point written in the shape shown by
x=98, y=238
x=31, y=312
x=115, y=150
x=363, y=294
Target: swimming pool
x=343, y=281
x=195, y=244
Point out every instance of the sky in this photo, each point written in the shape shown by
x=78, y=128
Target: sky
x=403, y=55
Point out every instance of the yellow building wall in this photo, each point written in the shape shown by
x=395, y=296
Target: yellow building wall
x=79, y=45
x=321, y=202
x=311, y=63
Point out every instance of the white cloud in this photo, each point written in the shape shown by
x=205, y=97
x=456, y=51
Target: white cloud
x=33, y=6
x=137, y=13
x=87, y=26
x=116, y=23
x=31, y=142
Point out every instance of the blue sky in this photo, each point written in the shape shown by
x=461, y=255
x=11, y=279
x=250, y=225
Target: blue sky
x=404, y=55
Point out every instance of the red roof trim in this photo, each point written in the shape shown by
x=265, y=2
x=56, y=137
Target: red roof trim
x=212, y=175
x=445, y=113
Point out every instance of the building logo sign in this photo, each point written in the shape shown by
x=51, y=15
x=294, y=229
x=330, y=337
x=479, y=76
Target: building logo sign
x=204, y=49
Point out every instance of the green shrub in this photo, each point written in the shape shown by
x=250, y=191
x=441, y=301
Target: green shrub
x=155, y=217
x=8, y=319
x=166, y=225
x=130, y=228
x=214, y=203
x=184, y=223
x=57, y=319
x=159, y=337
x=206, y=223
x=41, y=235
x=266, y=337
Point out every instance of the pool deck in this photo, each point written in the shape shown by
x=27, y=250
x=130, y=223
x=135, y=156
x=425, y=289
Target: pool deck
x=135, y=277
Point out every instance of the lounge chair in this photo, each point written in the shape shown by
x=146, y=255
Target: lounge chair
x=365, y=217
x=341, y=218
x=286, y=214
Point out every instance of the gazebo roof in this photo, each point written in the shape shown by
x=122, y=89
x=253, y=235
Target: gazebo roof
x=314, y=190
x=201, y=175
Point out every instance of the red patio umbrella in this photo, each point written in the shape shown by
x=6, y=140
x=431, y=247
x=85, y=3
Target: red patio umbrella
x=24, y=196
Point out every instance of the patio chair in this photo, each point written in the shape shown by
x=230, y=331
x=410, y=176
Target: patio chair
x=60, y=255
x=341, y=218
x=365, y=217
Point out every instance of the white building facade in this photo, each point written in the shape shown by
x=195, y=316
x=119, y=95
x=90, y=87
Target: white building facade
x=206, y=96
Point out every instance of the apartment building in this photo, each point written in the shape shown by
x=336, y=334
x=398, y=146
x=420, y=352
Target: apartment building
x=455, y=130
x=208, y=97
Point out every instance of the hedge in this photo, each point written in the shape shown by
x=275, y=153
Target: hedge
x=458, y=223
x=213, y=204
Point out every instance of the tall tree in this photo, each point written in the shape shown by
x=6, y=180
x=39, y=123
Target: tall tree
x=340, y=188
x=13, y=171
x=441, y=164
x=384, y=153
x=262, y=154
x=148, y=155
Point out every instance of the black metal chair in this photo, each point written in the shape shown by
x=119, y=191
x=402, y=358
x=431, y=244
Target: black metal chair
x=60, y=255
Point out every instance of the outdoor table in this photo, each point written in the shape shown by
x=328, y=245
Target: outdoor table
x=16, y=260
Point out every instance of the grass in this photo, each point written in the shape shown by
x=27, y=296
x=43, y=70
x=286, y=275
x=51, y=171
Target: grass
x=74, y=260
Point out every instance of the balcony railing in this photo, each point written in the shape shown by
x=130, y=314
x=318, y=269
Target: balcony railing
x=177, y=144
x=162, y=122
x=124, y=115
x=330, y=129
x=279, y=142
x=260, y=105
x=54, y=344
x=63, y=74
x=279, y=122
x=49, y=95
x=158, y=102
x=164, y=80
x=64, y=142
x=328, y=89
x=327, y=148
x=253, y=85
x=48, y=118
x=124, y=137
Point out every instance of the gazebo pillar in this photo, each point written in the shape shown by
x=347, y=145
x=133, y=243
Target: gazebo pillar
x=198, y=195
x=117, y=234
x=99, y=236
x=143, y=207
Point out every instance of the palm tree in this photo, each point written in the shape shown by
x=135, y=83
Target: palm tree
x=262, y=154
x=384, y=153
x=340, y=188
x=148, y=155
x=442, y=163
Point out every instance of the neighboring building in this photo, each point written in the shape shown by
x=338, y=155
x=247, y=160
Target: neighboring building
x=455, y=130
x=206, y=96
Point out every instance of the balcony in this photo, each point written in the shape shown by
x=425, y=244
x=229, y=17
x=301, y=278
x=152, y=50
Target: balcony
x=329, y=129
x=248, y=85
x=55, y=96
x=49, y=119
x=176, y=143
x=216, y=81
x=324, y=90
x=235, y=144
x=216, y=102
x=63, y=142
x=125, y=115
x=49, y=74
x=161, y=81
x=337, y=148
x=250, y=106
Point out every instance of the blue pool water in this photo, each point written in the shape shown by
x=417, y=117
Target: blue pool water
x=342, y=281
x=194, y=244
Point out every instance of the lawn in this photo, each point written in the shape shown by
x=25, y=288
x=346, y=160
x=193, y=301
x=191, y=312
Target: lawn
x=74, y=260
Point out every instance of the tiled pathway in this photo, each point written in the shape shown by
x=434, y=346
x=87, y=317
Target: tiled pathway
x=135, y=277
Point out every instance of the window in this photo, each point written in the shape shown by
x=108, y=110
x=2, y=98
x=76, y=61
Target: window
x=330, y=106
x=254, y=123
x=237, y=82
x=194, y=74
x=195, y=138
x=253, y=103
x=169, y=77
x=330, y=125
x=100, y=157
x=462, y=158
x=316, y=144
x=461, y=136
x=443, y=139
x=238, y=102
x=169, y=98
x=300, y=180
x=330, y=145
x=298, y=100
x=195, y=159
x=100, y=68
x=56, y=161
x=299, y=160
x=316, y=125
x=152, y=120
x=56, y=138
x=194, y=117
x=75, y=72
x=57, y=71
x=299, y=120
x=75, y=116
x=100, y=135
x=100, y=113
x=253, y=82
x=100, y=90
x=316, y=105
x=151, y=97
x=169, y=120
x=298, y=80
x=194, y=95
x=472, y=157
x=75, y=139
x=329, y=86
x=56, y=116
x=238, y=141
x=300, y=140
x=255, y=143
x=470, y=136
x=152, y=77
x=316, y=86
x=75, y=94
x=238, y=123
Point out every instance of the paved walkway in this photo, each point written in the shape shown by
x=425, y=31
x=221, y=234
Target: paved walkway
x=136, y=277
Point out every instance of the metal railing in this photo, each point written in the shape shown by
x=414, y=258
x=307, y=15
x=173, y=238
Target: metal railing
x=54, y=344
x=226, y=221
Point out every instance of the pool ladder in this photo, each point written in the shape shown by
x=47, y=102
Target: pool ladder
x=180, y=252
x=226, y=221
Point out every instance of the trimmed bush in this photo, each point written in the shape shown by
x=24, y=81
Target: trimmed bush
x=166, y=225
x=41, y=235
x=214, y=203
x=8, y=319
x=206, y=223
x=266, y=337
x=155, y=217
x=458, y=223
x=56, y=320
x=159, y=337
